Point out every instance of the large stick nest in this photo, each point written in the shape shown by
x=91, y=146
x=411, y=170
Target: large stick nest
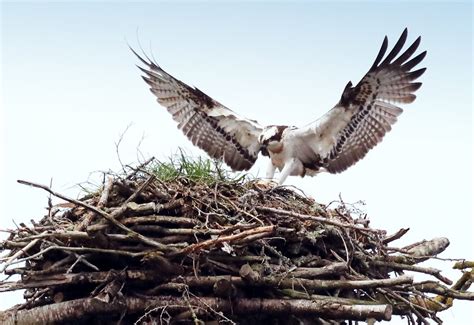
x=184, y=250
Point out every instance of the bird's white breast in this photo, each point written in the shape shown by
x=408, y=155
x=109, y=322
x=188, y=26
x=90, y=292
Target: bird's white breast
x=327, y=129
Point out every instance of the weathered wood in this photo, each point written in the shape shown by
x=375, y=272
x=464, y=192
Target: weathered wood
x=104, y=196
x=75, y=309
x=229, y=238
x=319, y=219
x=315, y=272
x=285, y=283
x=109, y=217
x=433, y=287
x=59, y=280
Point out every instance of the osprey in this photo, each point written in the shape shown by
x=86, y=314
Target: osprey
x=331, y=144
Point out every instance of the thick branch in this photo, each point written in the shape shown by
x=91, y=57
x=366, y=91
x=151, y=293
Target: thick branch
x=77, y=278
x=77, y=309
x=314, y=272
x=285, y=283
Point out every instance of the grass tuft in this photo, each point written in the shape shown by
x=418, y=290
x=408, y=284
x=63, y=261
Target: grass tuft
x=197, y=169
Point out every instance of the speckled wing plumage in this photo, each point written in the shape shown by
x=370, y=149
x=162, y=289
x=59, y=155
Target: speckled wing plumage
x=367, y=106
x=208, y=124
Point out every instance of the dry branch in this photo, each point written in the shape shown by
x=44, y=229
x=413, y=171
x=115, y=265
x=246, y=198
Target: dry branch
x=89, y=307
x=318, y=219
x=65, y=279
x=267, y=230
x=287, y=283
x=101, y=204
x=110, y=218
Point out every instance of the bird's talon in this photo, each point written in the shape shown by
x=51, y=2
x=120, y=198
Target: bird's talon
x=265, y=184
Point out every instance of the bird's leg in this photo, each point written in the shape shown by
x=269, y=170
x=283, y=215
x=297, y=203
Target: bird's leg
x=287, y=169
x=267, y=183
x=270, y=171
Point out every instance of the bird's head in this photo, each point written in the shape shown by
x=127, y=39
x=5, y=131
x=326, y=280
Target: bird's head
x=270, y=138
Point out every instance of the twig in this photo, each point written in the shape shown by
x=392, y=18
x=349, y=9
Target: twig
x=395, y=236
x=80, y=250
x=316, y=218
x=103, y=214
x=428, y=270
x=53, y=280
x=229, y=238
x=433, y=287
x=15, y=256
x=411, y=305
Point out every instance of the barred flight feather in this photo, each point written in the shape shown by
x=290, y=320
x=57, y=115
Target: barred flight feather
x=208, y=124
x=390, y=81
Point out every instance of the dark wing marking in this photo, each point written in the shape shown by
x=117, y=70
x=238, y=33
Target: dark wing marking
x=372, y=115
x=208, y=124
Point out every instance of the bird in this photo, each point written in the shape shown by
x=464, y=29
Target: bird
x=334, y=142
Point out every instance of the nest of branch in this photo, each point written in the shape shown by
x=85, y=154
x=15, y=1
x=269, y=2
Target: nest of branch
x=184, y=251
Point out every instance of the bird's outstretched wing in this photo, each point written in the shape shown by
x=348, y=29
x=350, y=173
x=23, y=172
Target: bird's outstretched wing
x=365, y=112
x=208, y=124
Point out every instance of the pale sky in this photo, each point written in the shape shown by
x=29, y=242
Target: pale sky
x=70, y=88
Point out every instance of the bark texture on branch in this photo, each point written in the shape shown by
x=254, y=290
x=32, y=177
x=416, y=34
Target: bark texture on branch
x=89, y=307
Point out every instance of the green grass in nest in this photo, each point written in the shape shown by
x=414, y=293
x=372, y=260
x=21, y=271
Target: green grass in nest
x=196, y=169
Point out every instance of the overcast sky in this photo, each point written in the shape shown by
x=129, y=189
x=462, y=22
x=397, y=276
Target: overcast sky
x=70, y=88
